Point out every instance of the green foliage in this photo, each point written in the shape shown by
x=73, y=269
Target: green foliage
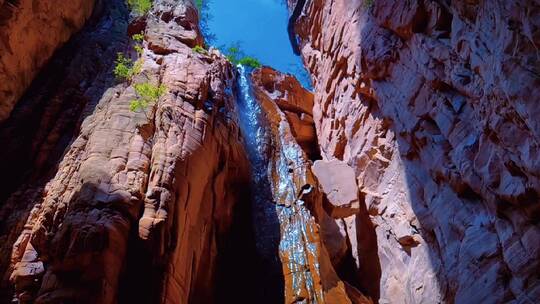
x=199, y=4
x=250, y=62
x=138, y=37
x=236, y=56
x=233, y=53
x=199, y=49
x=140, y=7
x=139, y=49
x=125, y=68
x=147, y=94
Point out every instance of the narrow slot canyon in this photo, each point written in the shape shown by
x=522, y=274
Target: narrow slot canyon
x=269, y=151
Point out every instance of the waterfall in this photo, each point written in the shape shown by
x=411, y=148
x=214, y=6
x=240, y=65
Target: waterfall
x=286, y=235
x=265, y=222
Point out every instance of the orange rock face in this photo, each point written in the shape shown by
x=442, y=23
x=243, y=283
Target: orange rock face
x=307, y=267
x=30, y=32
x=410, y=175
x=295, y=102
x=432, y=105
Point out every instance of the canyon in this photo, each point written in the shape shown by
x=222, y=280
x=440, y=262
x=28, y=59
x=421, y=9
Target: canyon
x=408, y=173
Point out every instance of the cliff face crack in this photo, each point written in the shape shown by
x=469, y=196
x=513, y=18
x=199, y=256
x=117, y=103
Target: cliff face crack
x=297, y=11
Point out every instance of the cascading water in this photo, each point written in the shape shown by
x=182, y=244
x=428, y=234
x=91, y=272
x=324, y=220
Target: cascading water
x=265, y=222
x=285, y=234
x=284, y=231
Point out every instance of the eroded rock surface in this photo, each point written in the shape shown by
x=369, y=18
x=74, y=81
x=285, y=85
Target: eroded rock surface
x=434, y=106
x=424, y=113
x=45, y=120
x=295, y=102
x=151, y=190
x=30, y=32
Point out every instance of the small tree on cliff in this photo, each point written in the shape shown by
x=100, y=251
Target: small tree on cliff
x=140, y=7
x=236, y=56
x=125, y=69
x=147, y=94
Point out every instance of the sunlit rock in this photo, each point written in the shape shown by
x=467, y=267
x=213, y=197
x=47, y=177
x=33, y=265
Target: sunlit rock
x=338, y=182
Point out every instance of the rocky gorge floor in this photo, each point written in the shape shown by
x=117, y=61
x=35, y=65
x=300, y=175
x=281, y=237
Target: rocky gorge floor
x=408, y=173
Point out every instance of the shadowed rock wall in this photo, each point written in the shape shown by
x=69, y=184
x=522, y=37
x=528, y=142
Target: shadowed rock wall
x=433, y=104
x=30, y=32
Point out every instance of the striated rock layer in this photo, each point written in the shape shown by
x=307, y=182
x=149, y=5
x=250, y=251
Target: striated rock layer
x=434, y=107
x=44, y=121
x=30, y=32
x=141, y=201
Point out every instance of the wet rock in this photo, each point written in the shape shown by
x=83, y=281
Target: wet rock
x=309, y=242
x=296, y=103
x=438, y=120
x=30, y=32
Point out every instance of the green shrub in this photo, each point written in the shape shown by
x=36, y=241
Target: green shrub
x=125, y=68
x=139, y=49
x=199, y=4
x=140, y=7
x=147, y=94
x=236, y=56
x=233, y=53
x=250, y=62
x=138, y=37
x=199, y=49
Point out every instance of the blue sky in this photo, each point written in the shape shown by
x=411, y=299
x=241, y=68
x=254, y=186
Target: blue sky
x=261, y=28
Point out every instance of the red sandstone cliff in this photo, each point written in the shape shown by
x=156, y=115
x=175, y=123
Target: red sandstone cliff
x=434, y=105
x=30, y=32
x=149, y=191
x=309, y=241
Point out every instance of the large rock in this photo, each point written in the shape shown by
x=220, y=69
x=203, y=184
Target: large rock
x=338, y=182
x=141, y=201
x=30, y=32
x=434, y=106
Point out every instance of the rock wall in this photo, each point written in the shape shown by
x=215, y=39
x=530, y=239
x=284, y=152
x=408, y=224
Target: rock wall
x=44, y=121
x=433, y=103
x=30, y=32
x=141, y=201
x=307, y=233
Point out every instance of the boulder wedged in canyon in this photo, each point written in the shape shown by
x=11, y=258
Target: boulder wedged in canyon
x=303, y=248
x=338, y=182
x=141, y=201
x=433, y=105
x=30, y=32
